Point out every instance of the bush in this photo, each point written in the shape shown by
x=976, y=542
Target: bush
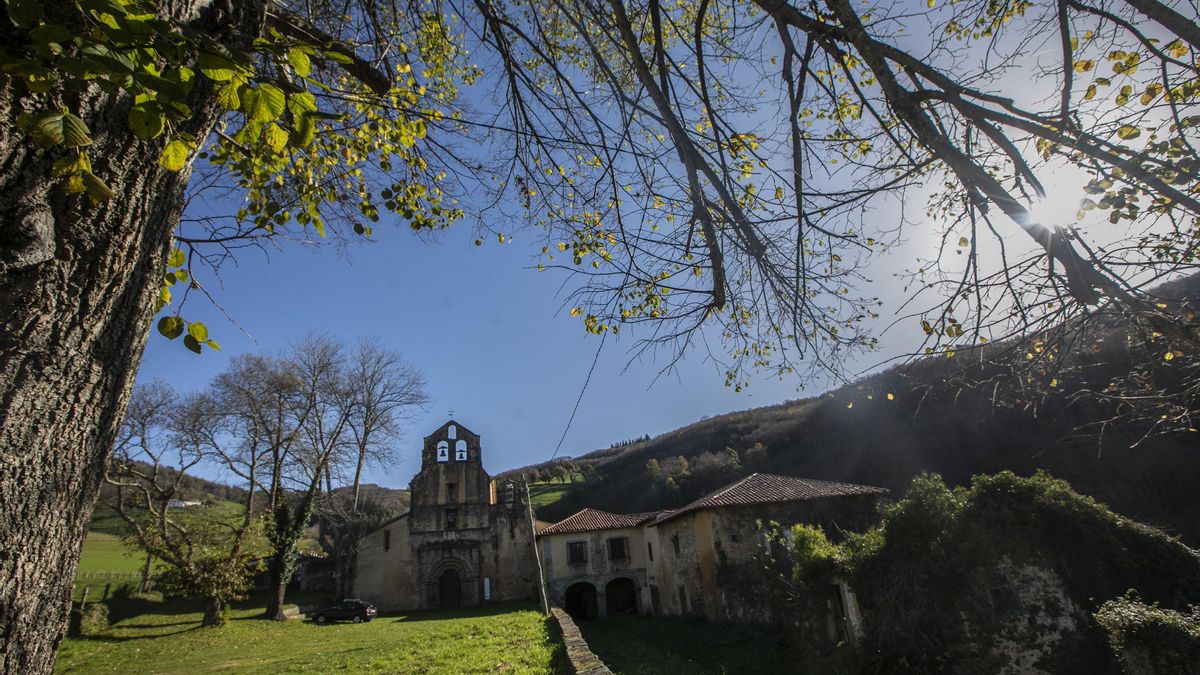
x=1003, y=574
x=1149, y=639
x=91, y=620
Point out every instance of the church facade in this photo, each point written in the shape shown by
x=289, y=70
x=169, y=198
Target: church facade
x=464, y=541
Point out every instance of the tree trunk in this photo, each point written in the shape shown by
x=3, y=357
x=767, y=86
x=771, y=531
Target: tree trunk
x=280, y=571
x=214, y=612
x=77, y=287
x=145, y=585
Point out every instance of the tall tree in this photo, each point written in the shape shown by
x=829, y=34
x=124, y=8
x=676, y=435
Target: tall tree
x=385, y=393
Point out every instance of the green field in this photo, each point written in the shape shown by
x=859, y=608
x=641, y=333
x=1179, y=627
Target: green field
x=107, y=553
x=641, y=645
x=106, y=561
x=507, y=637
x=545, y=494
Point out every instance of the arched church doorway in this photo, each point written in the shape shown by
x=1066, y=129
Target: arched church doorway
x=620, y=597
x=450, y=589
x=581, y=601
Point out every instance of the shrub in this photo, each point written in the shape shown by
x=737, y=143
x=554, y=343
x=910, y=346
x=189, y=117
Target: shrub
x=1149, y=639
x=91, y=620
x=971, y=578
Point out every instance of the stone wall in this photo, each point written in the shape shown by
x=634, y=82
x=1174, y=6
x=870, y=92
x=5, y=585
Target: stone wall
x=580, y=656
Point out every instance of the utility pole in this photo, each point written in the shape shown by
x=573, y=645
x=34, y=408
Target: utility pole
x=537, y=554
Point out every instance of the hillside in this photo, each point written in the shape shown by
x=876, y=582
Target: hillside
x=928, y=423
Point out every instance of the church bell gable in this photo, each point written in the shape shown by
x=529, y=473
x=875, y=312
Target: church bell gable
x=451, y=443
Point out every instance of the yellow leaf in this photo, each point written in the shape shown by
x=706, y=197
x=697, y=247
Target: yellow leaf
x=1128, y=131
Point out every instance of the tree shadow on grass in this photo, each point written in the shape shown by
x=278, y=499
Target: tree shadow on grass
x=108, y=637
x=479, y=611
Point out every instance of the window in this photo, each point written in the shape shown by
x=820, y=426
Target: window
x=451, y=519
x=675, y=543
x=452, y=492
x=618, y=548
x=650, y=552
x=577, y=553
x=387, y=540
x=460, y=451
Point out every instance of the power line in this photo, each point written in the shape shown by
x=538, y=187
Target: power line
x=580, y=399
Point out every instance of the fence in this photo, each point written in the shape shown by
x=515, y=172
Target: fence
x=108, y=575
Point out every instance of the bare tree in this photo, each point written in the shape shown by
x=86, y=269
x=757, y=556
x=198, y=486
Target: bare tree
x=387, y=392
x=745, y=164
x=208, y=552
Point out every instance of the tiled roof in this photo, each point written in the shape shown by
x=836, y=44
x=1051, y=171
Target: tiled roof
x=588, y=520
x=765, y=488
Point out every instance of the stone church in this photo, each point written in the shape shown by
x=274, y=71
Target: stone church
x=465, y=540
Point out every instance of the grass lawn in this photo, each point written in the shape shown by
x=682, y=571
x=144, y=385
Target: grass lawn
x=506, y=637
x=107, y=553
x=642, y=645
x=545, y=494
x=106, y=560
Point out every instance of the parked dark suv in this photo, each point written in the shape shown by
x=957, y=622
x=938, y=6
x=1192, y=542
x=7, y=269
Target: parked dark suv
x=346, y=610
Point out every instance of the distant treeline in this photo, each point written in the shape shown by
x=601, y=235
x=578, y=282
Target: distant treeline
x=192, y=488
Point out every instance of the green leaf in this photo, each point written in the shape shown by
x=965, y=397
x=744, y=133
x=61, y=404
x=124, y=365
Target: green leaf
x=1128, y=131
x=228, y=97
x=304, y=131
x=299, y=61
x=264, y=104
x=198, y=331
x=75, y=133
x=96, y=189
x=275, y=137
x=216, y=67
x=301, y=103
x=71, y=165
x=177, y=258
x=146, y=121
x=171, y=327
x=46, y=128
x=191, y=343
x=175, y=155
x=213, y=344
x=338, y=57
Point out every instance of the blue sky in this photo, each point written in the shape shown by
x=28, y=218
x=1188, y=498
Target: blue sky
x=487, y=329
x=492, y=336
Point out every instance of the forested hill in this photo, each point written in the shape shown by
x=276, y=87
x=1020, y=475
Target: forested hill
x=860, y=434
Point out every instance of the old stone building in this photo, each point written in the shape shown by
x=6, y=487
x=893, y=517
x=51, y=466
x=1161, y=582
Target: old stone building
x=670, y=562
x=467, y=540
x=596, y=563
x=464, y=541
